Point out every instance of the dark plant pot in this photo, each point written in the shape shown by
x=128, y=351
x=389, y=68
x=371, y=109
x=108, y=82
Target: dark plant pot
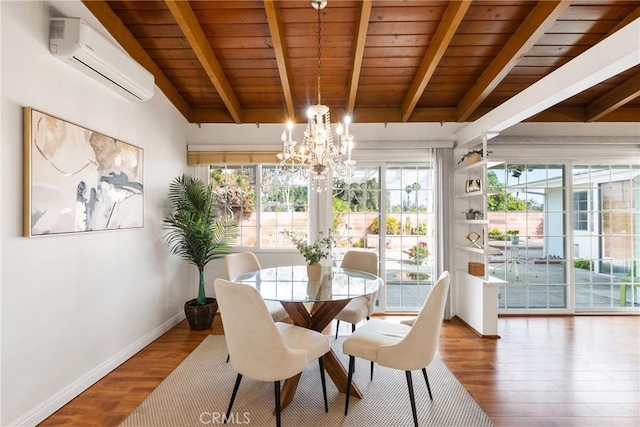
x=200, y=316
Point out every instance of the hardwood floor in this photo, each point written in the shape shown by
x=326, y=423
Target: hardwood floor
x=544, y=371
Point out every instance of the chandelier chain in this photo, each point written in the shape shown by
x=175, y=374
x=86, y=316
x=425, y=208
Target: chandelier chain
x=319, y=52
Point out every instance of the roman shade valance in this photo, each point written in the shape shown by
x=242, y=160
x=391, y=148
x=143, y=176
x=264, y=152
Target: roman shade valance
x=197, y=158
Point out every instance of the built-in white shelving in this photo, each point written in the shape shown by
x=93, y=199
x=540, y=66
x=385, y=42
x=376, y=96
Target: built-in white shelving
x=472, y=249
x=468, y=195
x=477, y=295
x=491, y=280
x=472, y=221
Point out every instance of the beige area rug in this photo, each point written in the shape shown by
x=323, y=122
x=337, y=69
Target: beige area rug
x=197, y=393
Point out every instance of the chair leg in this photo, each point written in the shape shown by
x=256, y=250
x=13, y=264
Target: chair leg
x=426, y=379
x=368, y=318
x=324, y=384
x=412, y=398
x=276, y=389
x=228, y=357
x=337, y=327
x=353, y=327
x=371, y=371
x=233, y=397
x=352, y=360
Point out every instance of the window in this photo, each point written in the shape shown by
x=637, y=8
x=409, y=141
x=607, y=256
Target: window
x=284, y=206
x=599, y=270
x=409, y=235
x=526, y=213
x=400, y=197
x=356, y=207
x=581, y=211
x=282, y=203
x=606, y=257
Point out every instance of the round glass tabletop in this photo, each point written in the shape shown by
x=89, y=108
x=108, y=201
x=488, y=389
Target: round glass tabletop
x=291, y=284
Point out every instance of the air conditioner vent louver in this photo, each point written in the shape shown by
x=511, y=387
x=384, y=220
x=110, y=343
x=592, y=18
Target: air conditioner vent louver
x=57, y=29
x=73, y=40
x=107, y=78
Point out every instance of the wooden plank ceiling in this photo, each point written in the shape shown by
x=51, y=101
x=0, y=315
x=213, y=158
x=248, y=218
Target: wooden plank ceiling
x=255, y=61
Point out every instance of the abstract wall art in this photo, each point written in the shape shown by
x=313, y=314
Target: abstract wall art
x=78, y=180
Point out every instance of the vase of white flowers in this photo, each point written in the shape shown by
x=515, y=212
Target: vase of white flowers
x=314, y=252
x=314, y=271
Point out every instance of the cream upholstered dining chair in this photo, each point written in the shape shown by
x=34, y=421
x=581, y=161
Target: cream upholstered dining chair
x=409, y=322
x=261, y=349
x=245, y=262
x=400, y=346
x=361, y=307
x=238, y=264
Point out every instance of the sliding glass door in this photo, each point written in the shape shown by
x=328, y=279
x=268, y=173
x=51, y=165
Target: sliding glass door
x=389, y=210
x=527, y=235
x=409, y=236
x=563, y=240
x=606, y=227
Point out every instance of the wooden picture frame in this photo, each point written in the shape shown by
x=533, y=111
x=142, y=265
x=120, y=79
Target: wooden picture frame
x=78, y=180
x=473, y=185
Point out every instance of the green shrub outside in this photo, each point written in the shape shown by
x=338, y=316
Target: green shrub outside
x=358, y=243
x=338, y=206
x=393, y=226
x=495, y=234
x=585, y=264
x=422, y=228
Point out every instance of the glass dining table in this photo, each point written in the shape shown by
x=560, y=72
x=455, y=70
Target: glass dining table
x=313, y=304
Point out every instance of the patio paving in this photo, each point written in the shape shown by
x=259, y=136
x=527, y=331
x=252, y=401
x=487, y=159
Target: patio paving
x=534, y=287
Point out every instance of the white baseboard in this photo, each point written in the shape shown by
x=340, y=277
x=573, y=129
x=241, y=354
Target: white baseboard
x=64, y=396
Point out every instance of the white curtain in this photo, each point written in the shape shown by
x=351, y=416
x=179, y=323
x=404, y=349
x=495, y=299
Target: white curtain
x=443, y=213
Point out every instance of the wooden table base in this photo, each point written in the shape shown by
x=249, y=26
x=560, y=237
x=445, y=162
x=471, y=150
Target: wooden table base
x=321, y=315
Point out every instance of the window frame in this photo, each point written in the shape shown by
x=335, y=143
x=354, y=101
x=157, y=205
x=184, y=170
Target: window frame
x=258, y=213
x=582, y=215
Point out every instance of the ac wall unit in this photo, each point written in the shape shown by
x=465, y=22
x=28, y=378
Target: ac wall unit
x=77, y=43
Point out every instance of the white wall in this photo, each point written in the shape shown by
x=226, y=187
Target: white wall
x=75, y=306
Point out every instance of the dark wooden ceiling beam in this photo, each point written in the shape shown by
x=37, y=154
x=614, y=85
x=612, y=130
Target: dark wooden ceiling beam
x=362, y=115
x=534, y=26
x=635, y=14
x=614, y=99
x=107, y=17
x=188, y=23
x=356, y=65
x=420, y=115
x=249, y=115
x=446, y=30
x=279, y=46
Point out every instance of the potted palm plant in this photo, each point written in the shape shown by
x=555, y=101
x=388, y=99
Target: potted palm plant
x=199, y=231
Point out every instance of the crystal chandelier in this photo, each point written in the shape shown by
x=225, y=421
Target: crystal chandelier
x=318, y=153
